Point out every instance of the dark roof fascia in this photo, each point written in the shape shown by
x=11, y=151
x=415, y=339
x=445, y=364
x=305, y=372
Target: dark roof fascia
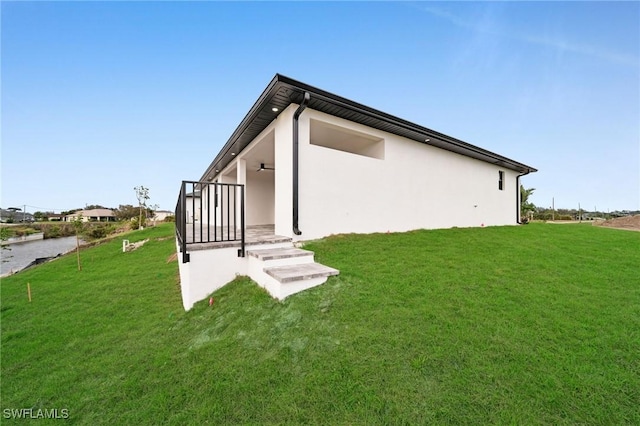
x=244, y=124
x=292, y=91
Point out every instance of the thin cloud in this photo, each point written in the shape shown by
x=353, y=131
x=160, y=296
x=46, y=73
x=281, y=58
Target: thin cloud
x=554, y=43
x=582, y=49
x=449, y=17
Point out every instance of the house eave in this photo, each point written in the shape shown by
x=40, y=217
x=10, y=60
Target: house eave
x=283, y=91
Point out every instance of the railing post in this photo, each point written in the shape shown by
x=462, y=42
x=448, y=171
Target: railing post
x=193, y=210
x=208, y=212
x=228, y=215
x=241, y=253
x=183, y=222
x=200, y=208
x=215, y=212
x=178, y=219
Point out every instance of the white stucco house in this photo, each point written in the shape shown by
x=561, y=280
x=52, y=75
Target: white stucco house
x=92, y=215
x=160, y=215
x=304, y=164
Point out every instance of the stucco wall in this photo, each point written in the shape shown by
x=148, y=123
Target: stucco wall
x=207, y=271
x=260, y=198
x=415, y=186
x=283, y=152
x=409, y=186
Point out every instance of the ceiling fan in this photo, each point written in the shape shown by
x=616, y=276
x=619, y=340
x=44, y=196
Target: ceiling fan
x=262, y=167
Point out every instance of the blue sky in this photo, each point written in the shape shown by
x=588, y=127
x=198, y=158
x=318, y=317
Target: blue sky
x=100, y=97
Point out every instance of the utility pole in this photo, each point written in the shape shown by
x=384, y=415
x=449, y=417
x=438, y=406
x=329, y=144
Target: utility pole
x=579, y=214
x=553, y=209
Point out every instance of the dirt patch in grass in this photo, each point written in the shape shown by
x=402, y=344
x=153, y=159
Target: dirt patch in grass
x=628, y=222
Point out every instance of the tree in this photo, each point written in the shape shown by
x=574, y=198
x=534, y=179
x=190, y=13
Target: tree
x=142, y=194
x=126, y=212
x=525, y=205
x=151, y=212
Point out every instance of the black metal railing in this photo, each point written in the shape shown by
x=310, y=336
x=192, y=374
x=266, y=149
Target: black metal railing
x=210, y=213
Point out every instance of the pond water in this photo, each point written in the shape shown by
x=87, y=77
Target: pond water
x=22, y=254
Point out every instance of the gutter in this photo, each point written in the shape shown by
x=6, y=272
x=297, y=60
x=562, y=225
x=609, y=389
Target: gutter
x=296, y=116
x=280, y=92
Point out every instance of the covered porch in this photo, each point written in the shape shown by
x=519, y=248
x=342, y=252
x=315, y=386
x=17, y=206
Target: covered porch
x=215, y=245
x=213, y=215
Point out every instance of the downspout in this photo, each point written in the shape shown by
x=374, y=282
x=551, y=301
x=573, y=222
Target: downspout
x=296, y=116
x=518, y=201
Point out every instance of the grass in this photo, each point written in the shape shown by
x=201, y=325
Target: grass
x=537, y=324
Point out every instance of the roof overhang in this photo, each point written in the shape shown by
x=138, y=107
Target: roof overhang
x=283, y=91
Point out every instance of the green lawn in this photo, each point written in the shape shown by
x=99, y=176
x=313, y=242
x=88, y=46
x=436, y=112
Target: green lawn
x=537, y=324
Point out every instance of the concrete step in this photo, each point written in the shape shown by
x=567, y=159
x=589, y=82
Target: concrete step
x=306, y=271
x=267, y=257
x=278, y=253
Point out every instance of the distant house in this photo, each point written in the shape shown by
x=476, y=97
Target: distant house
x=160, y=215
x=15, y=216
x=94, y=215
x=193, y=206
x=305, y=163
x=53, y=217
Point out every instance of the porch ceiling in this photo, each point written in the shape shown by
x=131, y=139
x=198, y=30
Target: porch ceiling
x=283, y=91
x=262, y=152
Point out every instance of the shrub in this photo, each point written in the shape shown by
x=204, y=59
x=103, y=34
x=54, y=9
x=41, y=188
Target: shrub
x=135, y=223
x=52, y=231
x=56, y=229
x=20, y=231
x=96, y=231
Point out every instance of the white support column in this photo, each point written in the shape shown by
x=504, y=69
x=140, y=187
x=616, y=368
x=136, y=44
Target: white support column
x=241, y=179
x=283, y=179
